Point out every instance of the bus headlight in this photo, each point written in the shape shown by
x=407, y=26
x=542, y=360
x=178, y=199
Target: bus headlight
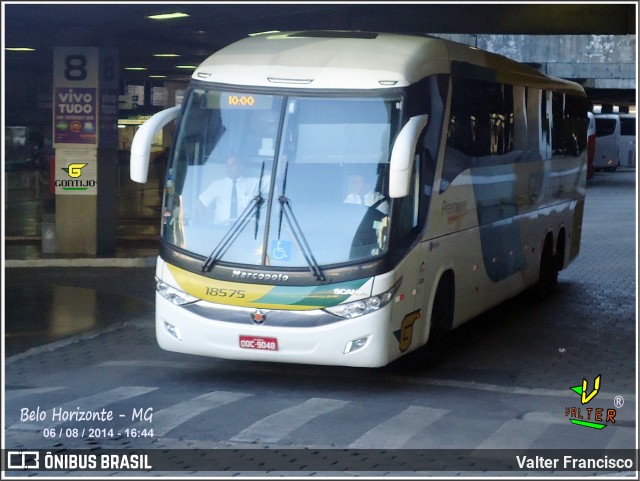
x=349, y=310
x=173, y=295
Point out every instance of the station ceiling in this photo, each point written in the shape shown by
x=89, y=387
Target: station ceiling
x=212, y=25
x=209, y=26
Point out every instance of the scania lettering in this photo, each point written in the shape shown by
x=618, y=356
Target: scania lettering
x=348, y=291
x=393, y=187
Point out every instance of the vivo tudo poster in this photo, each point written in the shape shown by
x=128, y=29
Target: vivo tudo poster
x=75, y=115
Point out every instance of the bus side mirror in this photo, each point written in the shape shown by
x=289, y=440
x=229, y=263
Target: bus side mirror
x=402, y=156
x=141, y=144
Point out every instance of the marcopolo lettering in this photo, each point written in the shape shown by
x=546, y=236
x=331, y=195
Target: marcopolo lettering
x=260, y=276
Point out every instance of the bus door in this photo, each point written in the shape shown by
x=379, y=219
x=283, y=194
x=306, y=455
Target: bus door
x=410, y=226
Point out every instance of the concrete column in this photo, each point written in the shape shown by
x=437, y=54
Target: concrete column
x=85, y=115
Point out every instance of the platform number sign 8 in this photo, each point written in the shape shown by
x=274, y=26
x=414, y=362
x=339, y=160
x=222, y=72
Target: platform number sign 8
x=75, y=68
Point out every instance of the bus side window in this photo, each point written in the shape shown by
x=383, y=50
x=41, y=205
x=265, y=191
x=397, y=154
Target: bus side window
x=429, y=173
x=427, y=160
x=408, y=211
x=462, y=135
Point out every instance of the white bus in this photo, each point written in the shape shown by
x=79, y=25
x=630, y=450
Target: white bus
x=607, y=142
x=627, y=147
x=471, y=170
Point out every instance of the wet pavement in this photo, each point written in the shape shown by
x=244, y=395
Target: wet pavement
x=50, y=304
x=50, y=297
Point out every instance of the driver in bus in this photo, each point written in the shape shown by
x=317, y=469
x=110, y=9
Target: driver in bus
x=362, y=193
x=230, y=195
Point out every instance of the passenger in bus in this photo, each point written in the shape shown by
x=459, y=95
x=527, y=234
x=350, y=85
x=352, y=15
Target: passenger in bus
x=230, y=195
x=361, y=193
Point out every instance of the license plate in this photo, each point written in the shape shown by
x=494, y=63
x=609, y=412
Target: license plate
x=255, y=342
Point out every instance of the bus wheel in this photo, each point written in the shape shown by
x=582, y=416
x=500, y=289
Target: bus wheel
x=548, y=271
x=441, y=321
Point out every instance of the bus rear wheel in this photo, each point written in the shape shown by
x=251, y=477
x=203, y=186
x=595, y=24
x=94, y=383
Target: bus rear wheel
x=548, y=279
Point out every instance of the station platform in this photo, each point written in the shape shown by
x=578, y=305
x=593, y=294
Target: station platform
x=29, y=203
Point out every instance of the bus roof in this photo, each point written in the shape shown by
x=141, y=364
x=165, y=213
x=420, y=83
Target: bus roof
x=356, y=60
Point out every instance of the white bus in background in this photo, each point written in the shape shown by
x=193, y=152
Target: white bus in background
x=628, y=132
x=607, y=142
x=476, y=172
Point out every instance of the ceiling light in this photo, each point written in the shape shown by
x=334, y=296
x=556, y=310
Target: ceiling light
x=157, y=76
x=166, y=55
x=263, y=33
x=168, y=16
x=187, y=66
x=20, y=49
x=135, y=68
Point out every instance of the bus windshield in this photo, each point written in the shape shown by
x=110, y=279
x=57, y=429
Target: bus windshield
x=277, y=180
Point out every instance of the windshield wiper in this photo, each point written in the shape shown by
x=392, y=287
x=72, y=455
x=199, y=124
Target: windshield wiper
x=237, y=227
x=233, y=232
x=296, y=231
x=300, y=239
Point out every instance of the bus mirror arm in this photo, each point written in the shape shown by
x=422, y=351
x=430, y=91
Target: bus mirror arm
x=402, y=156
x=141, y=144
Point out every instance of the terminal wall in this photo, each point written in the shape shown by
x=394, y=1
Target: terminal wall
x=599, y=61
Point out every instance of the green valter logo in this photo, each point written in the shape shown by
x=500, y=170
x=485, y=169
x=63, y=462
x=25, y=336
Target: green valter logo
x=594, y=418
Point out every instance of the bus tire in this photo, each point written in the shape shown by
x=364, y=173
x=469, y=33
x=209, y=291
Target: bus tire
x=560, y=249
x=441, y=321
x=548, y=278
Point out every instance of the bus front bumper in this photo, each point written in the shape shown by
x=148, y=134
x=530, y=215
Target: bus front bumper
x=358, y=342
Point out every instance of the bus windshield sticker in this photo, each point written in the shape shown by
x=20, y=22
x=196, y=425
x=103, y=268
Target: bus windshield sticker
x=281, y=250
